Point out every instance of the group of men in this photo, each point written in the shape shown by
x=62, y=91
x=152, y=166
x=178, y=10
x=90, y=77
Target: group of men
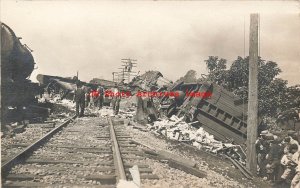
x=279, y=160
x=93, y=98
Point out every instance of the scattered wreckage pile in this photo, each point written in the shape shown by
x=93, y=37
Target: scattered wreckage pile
x=202, y=114
x=175, y=128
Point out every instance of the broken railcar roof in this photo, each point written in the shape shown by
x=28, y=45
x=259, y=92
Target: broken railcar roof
x=103, y=82
x=66, y=83
x=146, y=81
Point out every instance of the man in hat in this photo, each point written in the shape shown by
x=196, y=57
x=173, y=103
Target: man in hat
x=273, y=157
x=79, y=98
x=87, y=97
x=288, y=141
x=262, y=148
x=116, y=99
x=101, y=96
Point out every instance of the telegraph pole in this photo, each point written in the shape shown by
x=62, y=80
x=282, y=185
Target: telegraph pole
x=125, y=70
x=252, y=95
x=127, y=66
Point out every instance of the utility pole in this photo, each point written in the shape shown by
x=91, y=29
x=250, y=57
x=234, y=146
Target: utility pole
x=113, y=73
x=128, y=65
x=252, y=95
x=126, y=70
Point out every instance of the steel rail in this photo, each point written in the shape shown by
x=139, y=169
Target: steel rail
x=117, y=153
x=24, y=154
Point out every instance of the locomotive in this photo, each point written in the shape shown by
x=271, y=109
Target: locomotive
x=17, y=64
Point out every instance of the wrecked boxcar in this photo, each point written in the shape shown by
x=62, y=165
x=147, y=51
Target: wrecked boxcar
x=218, y=113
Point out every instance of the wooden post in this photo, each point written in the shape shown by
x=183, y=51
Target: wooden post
x=252, y=95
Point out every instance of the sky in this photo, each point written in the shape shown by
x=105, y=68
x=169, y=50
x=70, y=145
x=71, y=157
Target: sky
x=169, y=36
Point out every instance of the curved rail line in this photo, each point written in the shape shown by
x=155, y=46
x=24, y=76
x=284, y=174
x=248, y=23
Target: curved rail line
x=21, y=156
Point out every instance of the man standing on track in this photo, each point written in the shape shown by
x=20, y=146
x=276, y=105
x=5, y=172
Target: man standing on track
x=79, y=98
x=116, y=99
x=101, y=96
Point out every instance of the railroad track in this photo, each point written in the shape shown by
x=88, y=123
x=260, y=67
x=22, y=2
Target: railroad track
x=13, y=143
x=87, y=152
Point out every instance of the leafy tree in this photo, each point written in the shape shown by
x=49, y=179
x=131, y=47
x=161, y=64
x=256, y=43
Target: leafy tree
x=291, y=99
x=217, y=69
x=271, y=96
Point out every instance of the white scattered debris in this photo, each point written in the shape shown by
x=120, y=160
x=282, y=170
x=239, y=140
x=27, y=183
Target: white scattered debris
x=105, y=111
x=127, y=184
x=175, y=128
x=56, y=99
x=68, y=103
x=42, y=100
x=135, y=174
x=129, y=113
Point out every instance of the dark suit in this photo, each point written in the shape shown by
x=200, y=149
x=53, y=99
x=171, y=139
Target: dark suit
x=101, y=96
x=79, y=98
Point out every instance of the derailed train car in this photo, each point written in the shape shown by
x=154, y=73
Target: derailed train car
x=217, y=110
x=17, y=64
x=65, y=86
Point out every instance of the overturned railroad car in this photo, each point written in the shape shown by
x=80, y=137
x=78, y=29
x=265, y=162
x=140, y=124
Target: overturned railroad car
x=219, y=111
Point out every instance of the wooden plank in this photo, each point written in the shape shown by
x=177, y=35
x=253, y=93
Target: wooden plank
x=187, y=169
x=174, y=162
x=104, y=179
x=128, y=150
x=126, y=145
x=133, y=152
x=123, y=136
x=20, y=177
x=24, y=184
x=170, y=156
x=96, y=169
x=51, y=161
x=109, y=151
x=78, y=147
x=132, y=157
x=129, y=165
x=146, y=176
x=141, y=170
